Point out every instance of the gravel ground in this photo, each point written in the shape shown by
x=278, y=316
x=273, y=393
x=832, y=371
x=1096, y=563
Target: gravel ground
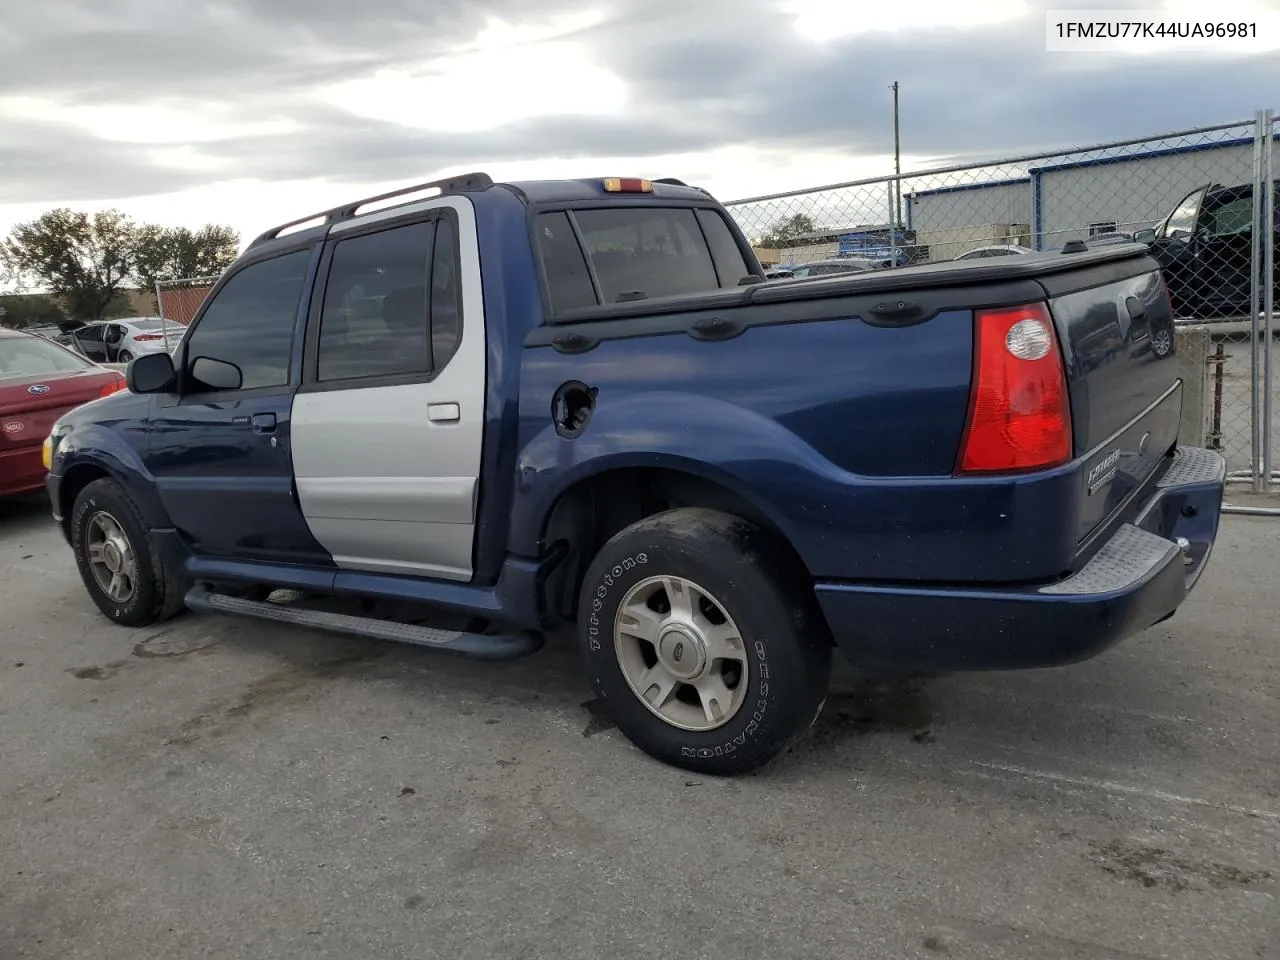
x=216, y=788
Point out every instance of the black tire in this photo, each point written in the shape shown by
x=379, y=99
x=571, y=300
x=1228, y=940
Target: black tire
x=785, y=640
x=1162, y=343
x=158, y=591
x=124, y=356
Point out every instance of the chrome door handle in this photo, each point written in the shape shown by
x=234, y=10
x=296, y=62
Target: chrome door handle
x=444, y=412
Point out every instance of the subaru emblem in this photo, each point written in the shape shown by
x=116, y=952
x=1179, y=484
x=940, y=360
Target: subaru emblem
x=38, y=388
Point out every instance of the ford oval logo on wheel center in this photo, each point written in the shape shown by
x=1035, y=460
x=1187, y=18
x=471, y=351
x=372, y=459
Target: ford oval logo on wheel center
x=38, y=388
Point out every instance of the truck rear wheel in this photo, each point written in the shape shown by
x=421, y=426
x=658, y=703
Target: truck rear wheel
x=705, y=647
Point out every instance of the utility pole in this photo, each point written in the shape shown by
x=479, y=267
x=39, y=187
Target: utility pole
x=897, y=166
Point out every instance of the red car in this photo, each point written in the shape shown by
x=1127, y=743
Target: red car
x=39, y=382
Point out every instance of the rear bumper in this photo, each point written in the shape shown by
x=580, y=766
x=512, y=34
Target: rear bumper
x=1137, y=578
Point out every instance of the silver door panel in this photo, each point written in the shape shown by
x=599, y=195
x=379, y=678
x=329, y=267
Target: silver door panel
x=398, y=499
x=388, y=476
x=412, y=549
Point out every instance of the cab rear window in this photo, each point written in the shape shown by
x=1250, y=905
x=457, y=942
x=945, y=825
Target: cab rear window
x=618, y=254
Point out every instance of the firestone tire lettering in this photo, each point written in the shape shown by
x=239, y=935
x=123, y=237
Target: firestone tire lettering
x=593, y=621
x=771, y=601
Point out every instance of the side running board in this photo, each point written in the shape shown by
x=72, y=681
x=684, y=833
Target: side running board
x=476, y=646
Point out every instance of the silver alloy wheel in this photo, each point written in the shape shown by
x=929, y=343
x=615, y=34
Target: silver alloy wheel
x=681, y=653
x=111, y=559
x=1160, y=343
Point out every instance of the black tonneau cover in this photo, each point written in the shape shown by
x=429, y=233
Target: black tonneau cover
x=1005, y=271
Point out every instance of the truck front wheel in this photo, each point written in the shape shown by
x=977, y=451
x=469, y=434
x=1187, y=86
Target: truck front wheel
x=129, y=581
x=703, y=643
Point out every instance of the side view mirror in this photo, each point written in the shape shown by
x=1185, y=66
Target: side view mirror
x=150, y=373
x=214, y=374
x=1147, y=236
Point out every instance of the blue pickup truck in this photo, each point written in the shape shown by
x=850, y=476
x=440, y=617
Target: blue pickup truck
x=518, y=405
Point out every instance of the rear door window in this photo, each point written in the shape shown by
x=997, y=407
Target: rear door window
x=636, y=253
x=392, y=304
x=374, y=319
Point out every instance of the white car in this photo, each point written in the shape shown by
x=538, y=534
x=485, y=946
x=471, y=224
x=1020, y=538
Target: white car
x=995, y=250
x=119, y=341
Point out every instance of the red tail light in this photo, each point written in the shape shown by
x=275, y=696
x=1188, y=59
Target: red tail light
x=148, y=336
x=115, y=386
x=1019, y=409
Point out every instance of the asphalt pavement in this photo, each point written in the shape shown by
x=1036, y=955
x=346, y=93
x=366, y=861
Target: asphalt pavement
x=214, y=788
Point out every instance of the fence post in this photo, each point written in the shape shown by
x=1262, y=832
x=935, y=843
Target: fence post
x=1255, y=316
x=1266, y=198
x=160, y=310
x=893, y=226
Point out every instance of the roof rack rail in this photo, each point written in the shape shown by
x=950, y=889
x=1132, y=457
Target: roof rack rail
x=462, y=183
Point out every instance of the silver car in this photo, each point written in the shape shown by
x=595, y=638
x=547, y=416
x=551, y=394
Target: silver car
x=119, y=341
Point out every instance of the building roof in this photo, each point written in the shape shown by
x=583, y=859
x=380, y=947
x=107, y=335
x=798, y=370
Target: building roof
x=840, y=231
x=1092, y=158
x=957, y=188
x=1099, y=158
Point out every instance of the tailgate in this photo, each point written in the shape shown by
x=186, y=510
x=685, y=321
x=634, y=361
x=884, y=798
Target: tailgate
x=1115, y=324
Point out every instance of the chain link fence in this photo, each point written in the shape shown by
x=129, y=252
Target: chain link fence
x=1188, y=194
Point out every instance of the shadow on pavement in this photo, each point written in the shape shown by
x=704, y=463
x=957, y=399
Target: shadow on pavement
x=22, y=514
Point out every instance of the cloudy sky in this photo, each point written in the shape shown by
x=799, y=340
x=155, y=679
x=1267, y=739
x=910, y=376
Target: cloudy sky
x=250, y=112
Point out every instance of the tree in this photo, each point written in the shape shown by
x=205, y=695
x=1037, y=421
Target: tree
x=86, y=261
x=173, y=253
x=29, y=310
x=784, y=233
x=82, y=259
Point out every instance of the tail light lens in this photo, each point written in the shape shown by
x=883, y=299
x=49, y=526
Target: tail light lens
x=148, y=336
x=1019, y=408
x=115, y=386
